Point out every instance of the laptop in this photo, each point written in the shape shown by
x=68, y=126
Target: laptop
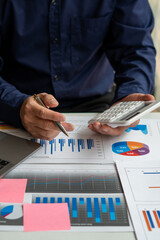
x=13, y=151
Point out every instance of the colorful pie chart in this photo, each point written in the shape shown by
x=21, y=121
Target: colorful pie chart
x=12, y=212
x=128, y=148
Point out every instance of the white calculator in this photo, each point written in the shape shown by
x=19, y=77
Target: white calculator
x=125, y=113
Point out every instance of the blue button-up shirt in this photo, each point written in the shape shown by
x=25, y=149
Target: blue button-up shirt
x=73, y=49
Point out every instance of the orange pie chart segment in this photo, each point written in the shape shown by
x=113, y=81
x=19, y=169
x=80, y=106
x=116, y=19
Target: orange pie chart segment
x=134, y=145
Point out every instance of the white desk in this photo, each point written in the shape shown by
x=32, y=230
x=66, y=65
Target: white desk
x=71, y=235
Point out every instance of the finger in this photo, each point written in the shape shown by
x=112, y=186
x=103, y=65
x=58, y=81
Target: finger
x=138, y=97
x=112, y=131
x=68, y=126
x=31, y=107
x=90, y=126
x=48, y=114
x=97, y=127
x=134, y=124
x=106, y=130
x=39, y=132
x=48, y=100
x=47, y=125
x=148, y=97
x=44, y=134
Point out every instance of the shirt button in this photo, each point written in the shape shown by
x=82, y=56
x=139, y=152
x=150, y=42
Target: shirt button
x=56, y=78
x=53, y=2
x=55, y=40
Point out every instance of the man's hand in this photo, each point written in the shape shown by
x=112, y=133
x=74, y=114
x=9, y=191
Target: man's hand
x=106, y=130
x=39, y=121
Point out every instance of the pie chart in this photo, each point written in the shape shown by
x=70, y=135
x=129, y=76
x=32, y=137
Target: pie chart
x=129, y=148
x=12, y=212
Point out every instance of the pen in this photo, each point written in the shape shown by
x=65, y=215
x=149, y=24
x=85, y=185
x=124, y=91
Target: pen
x=58, y=124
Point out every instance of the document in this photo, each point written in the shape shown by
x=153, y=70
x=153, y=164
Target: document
x=85, y=146
x=79, y=170
x=93, y=194
x=141, y=184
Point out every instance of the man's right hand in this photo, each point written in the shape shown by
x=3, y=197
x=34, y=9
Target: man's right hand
x=39, y=121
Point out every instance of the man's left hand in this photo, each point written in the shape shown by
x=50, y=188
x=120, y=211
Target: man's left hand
x=106, y=130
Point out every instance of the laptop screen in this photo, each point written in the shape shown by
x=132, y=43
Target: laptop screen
x=14, y=150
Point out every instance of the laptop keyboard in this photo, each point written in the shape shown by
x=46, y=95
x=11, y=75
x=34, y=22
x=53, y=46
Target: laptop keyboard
x=3, y=163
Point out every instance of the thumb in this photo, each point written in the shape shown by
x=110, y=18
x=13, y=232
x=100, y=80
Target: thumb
x=48, y=100
x=148, y=97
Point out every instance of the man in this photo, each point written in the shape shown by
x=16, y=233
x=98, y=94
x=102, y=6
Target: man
x=70, y=52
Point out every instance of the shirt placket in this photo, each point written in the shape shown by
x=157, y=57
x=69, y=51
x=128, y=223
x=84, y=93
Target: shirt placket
x=55, y=49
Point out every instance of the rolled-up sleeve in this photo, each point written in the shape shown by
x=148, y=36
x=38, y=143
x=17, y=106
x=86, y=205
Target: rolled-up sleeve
x=130, y=48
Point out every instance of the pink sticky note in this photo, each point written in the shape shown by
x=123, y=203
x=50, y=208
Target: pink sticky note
x=12, y=190
x=46, y=217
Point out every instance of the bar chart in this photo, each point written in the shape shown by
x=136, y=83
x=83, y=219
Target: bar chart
x=57, y=179
x=150, y=217
x=72, y=147
x=90, y=210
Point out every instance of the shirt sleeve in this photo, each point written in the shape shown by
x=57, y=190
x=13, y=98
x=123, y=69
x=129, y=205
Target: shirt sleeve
x=10, y=97
x=10, y=103
x=130, y=48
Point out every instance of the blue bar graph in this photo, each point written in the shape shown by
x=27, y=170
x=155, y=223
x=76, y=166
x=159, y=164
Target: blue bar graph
x=38, y=199
x=81, y=201
x=53, y=141
x=97, y=211
x=81, y=144
x=67, y=201
x=74, y=208
x=90, y=143
x=56, y=145
x=150, y=219
x=44, y=142
x=71, y=142
x=59, y=200
x=89, y=208
x=111, y=209
x=45, y=200
x=104, y=205
x=52, y=200
x=118, y=201
x=62, y=142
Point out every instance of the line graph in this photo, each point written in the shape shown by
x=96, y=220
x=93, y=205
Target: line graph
x=70, y=180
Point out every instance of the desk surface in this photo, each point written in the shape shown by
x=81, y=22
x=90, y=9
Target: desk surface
x=72, y=235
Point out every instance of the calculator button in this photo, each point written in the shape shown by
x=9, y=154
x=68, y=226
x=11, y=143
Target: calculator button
x=118, y=111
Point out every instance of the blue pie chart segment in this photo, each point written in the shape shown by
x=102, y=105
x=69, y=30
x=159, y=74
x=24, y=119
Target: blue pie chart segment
x=12, y=212
x=120, y=147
